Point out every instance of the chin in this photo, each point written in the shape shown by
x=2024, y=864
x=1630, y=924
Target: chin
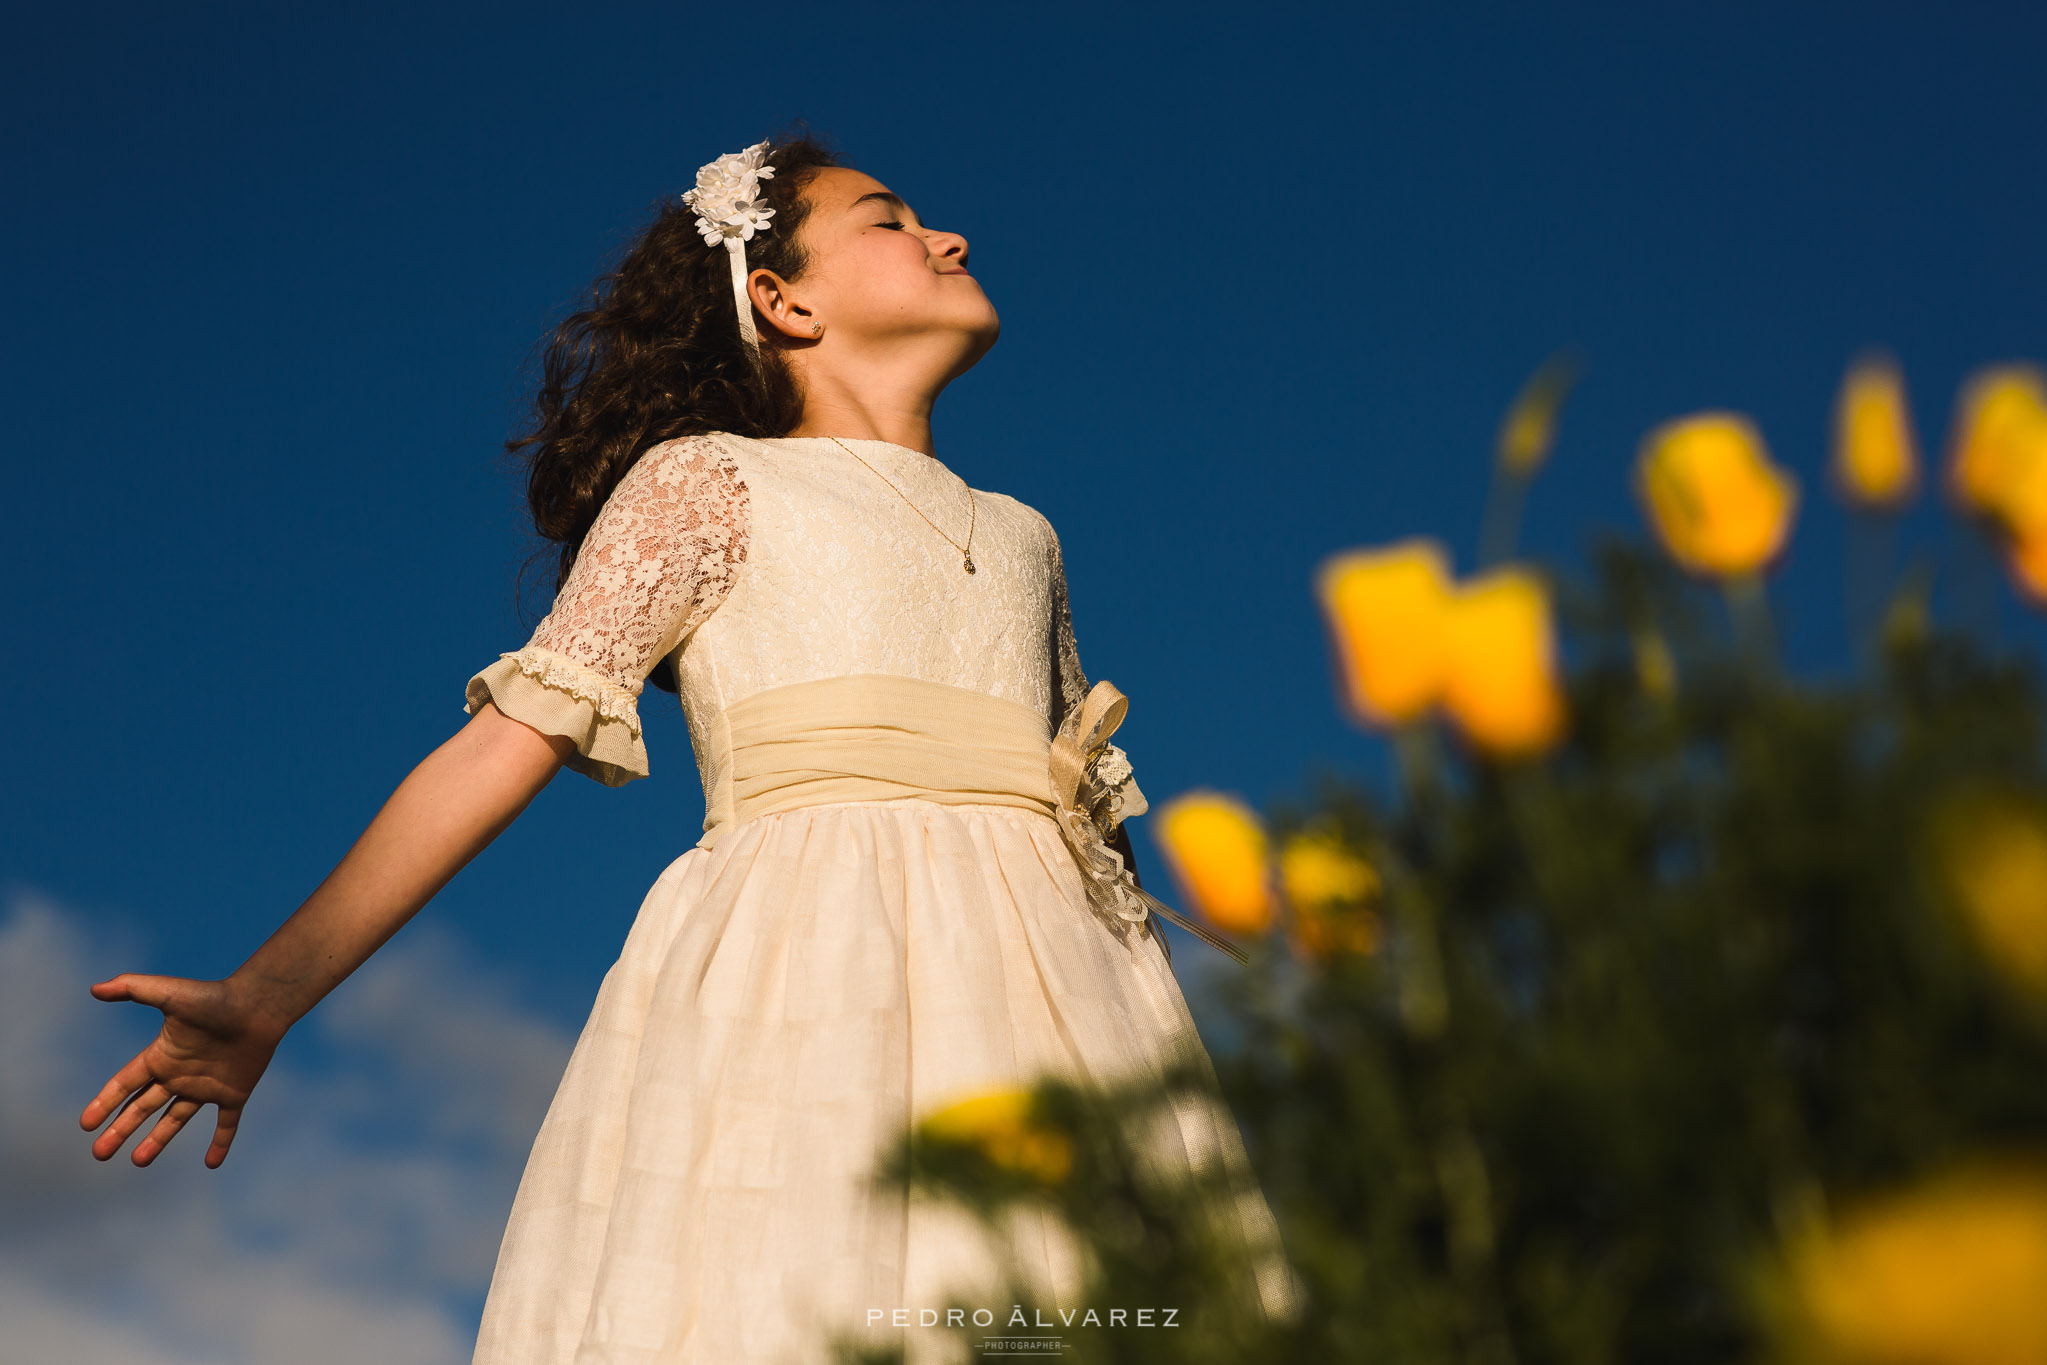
x=982, y=340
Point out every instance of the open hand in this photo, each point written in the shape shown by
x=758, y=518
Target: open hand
x=212, y=1049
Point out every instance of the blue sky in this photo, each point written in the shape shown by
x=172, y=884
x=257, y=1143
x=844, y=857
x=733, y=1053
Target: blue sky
x=1268, y=277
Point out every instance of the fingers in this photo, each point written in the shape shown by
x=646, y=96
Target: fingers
x=209, y=1051
x=147, y=1102
x=124, y=1083
x=136, y=986
x=158, y=991
x=141, y=1107
x=223, y=1135
x=167, y=1128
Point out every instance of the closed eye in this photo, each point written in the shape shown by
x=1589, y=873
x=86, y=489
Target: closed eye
x=889, y=223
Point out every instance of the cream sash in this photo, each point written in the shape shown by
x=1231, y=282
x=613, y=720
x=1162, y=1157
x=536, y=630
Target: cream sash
x=880, y=736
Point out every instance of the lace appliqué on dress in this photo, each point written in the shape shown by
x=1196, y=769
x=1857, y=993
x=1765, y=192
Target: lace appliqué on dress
x=661, y=556
x=1069, y=683
x=1117, y=793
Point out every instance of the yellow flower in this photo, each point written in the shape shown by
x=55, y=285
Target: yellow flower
x=1318, y=868
x=2019, y=501
x=1000, y=1124
x=1991, y=847
x=1216, y=850
x=1997, y=456
x=2026, y=559
x=1499, y=672
x=1949, y=1273
x=1530, y=426
x=1384, y=609
x=1876, y=460
x=1329, y=888
x=1718, y=503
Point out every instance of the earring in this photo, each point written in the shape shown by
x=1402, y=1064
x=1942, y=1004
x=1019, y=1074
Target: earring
x=817, y=329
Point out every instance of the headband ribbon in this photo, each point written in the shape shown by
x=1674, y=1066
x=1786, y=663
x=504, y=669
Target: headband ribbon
x=730, y=209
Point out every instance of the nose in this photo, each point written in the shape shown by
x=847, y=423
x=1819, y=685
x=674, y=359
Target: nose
x=950, y=245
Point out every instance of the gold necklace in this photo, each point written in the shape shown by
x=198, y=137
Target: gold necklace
x=966, y=551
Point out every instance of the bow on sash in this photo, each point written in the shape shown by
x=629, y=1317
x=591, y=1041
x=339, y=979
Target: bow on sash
x=1082, y=738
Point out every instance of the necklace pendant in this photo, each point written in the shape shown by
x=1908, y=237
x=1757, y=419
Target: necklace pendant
x=970, y=563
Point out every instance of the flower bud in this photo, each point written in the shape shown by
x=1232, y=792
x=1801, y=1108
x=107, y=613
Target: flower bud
x=1718, y=504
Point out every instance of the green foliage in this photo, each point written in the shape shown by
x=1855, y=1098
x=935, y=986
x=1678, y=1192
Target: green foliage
x=1644, y=1008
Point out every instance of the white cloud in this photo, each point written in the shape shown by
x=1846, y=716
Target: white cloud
x=359, y=1213
x=43, y=1328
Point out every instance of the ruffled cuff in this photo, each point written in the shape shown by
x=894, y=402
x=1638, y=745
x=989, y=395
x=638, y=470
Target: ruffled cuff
x=558, y=696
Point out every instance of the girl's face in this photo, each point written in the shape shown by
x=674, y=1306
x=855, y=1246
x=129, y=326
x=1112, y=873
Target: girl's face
x=880, y=280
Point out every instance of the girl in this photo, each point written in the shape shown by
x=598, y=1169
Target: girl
x=901, y=896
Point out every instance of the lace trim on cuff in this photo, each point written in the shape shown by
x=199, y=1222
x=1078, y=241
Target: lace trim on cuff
x=563, y=674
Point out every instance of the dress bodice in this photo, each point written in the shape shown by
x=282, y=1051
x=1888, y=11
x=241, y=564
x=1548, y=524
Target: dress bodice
x=753, y=563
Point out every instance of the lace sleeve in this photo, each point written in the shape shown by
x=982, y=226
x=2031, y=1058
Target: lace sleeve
x=1111, y=773
x=1069, y=683
x=660, y=558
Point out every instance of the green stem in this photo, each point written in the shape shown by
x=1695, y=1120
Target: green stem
x=1467, y=1200
x=1419, y=757
x=1976, y=580
x=1749, y=610
x=1424, y=1009
x=1870, y=546
x=1502, y=524
x=1424, y=1004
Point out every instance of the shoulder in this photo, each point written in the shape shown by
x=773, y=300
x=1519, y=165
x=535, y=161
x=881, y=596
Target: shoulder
x=685, y=488
x=1048, y=535
x=688, y=459
x=1022, y=511
x=1036, y=526
x=688, y=472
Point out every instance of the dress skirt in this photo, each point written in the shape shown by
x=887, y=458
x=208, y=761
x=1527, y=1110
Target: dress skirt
x=791, y=998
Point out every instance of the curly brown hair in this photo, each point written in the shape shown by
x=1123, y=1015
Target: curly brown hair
x=657, y=355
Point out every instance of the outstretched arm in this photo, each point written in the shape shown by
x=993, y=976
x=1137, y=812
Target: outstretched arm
x=218, y=1036
x=446, y=811
x=657, y=559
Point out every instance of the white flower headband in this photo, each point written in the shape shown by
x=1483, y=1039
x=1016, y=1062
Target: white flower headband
x=730, y=209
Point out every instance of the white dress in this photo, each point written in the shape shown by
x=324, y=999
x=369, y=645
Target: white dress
x=817, y=973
